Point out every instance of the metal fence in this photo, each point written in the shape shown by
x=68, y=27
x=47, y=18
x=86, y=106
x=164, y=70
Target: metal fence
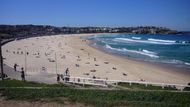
x=105, y=82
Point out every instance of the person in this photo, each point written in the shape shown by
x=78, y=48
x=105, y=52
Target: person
x=22, y=74
x=15, y=66
x=58, y=78
x=67, y=71
x=94, y=77
x=67, y=74
x=62, y=77
x=3, y=75
x=78, y=80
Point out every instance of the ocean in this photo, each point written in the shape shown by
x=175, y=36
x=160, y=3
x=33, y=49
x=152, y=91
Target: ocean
x=164, y=49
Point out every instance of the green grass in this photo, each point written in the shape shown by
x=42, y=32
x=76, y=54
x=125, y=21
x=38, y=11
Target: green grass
x=186, y=89
x=99, y=98
x=137, y=86
x=17, y=83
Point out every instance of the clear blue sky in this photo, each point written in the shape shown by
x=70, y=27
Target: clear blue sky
x=174, y=14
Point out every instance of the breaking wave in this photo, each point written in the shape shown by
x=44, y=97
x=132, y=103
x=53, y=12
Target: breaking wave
x=150, y=41
x=142, y=52
x=138, y=38
x=186, y=63
x=161, y=41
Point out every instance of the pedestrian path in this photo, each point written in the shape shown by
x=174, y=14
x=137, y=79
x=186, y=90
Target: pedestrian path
x=40, y=77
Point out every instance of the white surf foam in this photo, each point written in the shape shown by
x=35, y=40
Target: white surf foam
x=146, y=51
x=138, y=38
x=160, y=40
x=112, y=43
x=149, y=41
x=173, y=61
x=186, y=63
x=143, y=52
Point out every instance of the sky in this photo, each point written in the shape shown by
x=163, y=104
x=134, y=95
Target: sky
x=174, y=14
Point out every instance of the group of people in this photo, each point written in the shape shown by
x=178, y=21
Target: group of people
x=22, y=72
x=62, y=76
x=58, y=75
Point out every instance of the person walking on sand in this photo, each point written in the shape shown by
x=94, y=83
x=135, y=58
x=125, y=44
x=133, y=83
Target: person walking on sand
x=22, y=74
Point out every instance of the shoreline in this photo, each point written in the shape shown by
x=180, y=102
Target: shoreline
x=168, y=68
x=159, y=64
x=174, y=67
x=74, y=48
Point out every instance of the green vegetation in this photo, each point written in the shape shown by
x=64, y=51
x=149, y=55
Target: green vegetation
x=187, y=88
x=137, y=86
x=103, y=98
x=17, y=83
x=16, y=31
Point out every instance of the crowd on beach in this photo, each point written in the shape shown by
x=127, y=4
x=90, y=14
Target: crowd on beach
x=57, y=57
x=67, y=58
x=47, y=47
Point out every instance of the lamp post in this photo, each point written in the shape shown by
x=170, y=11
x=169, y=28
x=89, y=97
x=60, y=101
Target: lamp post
x=25, y=60
x=55, y=62
x=1, y=58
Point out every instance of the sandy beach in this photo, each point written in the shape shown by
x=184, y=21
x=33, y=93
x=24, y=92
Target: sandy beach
x=54, y=54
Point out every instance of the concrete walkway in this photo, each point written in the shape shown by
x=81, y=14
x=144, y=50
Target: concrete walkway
x=39, y=77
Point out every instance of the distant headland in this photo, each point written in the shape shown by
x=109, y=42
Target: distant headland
x=10, y=31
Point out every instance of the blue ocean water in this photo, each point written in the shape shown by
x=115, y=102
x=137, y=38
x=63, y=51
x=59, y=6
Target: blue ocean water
x=172, y=49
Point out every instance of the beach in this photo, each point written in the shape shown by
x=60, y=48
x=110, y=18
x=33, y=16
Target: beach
x=54, y=54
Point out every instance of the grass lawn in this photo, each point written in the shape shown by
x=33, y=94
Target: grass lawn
x=100, y=98
x=137, y=86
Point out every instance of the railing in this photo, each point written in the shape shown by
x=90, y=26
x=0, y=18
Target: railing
x=105, y=82
x=179, y=86
x=85, y=81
